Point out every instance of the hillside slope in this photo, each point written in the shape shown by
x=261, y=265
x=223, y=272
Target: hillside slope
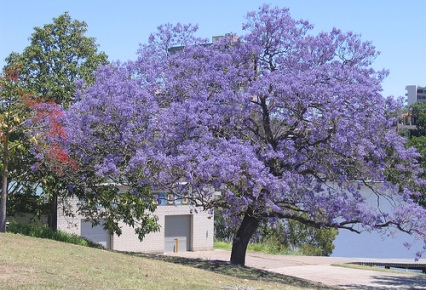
x=33, y=263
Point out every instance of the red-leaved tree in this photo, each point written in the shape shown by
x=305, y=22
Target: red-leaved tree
x=14, y=111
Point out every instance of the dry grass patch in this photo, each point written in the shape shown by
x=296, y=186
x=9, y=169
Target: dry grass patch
x=33, y=263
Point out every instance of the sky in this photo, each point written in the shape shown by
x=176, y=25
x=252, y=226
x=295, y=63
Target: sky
x=395, y=27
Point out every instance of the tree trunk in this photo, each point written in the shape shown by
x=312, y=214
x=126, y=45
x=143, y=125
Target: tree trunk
x=4, y=183
x=239, y=244
x=53, y=215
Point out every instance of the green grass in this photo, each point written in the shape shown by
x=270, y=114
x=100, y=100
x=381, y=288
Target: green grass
x=377, y=269
x=222, y=245
x=42, y=231
x=34, y=263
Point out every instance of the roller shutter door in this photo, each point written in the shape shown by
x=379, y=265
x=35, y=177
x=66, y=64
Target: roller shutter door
x=96, y=234
x=177, y=227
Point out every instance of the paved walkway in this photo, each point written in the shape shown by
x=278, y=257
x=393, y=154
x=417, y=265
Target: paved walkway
x=320, y=269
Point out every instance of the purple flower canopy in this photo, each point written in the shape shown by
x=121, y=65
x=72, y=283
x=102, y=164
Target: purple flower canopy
x=284, y=123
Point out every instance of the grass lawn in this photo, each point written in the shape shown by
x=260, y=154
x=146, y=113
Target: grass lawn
x=34, y=263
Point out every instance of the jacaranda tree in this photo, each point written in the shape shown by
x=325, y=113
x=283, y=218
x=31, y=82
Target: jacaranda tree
x=277, y=123
x=64, y=158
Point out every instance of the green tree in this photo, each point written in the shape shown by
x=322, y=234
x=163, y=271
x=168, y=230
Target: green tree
x=418, y=112
x=14, y=109
x=306, y=239
x=419, y=142
x=302, y=238
x=59, y=54
x=417, y=138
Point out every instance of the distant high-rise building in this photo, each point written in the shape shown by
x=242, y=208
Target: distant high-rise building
x=415, y=94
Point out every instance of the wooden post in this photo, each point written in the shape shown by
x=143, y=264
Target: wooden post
x=176, y=245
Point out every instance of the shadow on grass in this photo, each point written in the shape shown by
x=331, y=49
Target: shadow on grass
x=414, y=282
x=226, y=268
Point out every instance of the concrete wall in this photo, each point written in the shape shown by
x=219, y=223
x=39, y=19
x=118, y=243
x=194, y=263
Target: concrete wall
x=202, y=231
x=411, y=94
x=65, y=223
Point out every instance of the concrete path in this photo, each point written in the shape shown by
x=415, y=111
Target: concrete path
x=320, y=269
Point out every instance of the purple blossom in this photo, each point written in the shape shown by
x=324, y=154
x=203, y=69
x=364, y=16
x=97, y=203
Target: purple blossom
x=284, y=123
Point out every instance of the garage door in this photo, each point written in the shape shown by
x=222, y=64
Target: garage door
x=177, y=227
x=96, y=234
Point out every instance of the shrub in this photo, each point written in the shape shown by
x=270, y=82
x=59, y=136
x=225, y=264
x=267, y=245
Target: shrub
x=283, y=237
x=45, y=232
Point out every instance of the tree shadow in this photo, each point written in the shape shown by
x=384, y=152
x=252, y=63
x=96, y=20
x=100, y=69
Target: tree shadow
x=241, y=272
x=394, y=282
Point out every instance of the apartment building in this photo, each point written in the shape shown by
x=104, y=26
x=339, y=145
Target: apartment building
x=415, y=94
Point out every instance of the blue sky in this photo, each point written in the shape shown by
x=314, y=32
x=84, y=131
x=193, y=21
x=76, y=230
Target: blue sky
x=396, y=28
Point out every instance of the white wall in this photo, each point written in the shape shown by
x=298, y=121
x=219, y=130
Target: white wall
x=411, y=94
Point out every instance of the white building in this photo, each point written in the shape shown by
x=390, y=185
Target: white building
x=181, y=229
x=415, y=94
